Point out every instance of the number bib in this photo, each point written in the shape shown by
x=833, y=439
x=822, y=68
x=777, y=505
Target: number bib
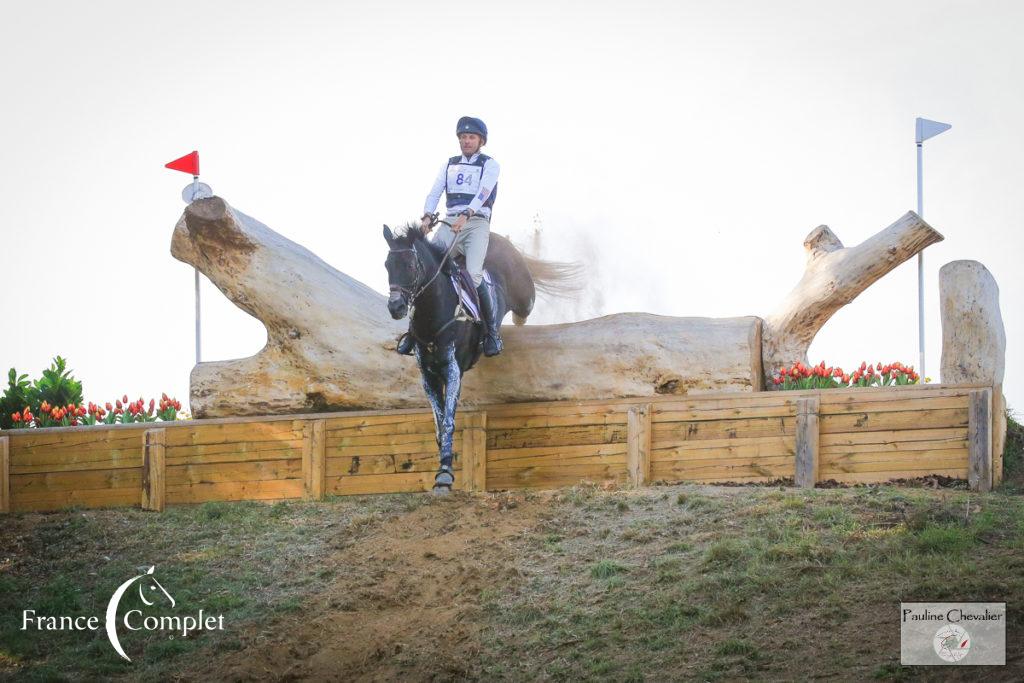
x=464, y=179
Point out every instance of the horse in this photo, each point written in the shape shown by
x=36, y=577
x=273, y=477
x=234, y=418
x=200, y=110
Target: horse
x=448, y=343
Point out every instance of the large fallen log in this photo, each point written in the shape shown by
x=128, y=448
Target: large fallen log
x=833, y=277
x=330, y=341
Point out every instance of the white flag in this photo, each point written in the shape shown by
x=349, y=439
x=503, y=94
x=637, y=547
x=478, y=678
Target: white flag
x=928, y=129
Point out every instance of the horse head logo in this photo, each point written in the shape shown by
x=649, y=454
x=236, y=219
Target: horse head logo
x=149, y=590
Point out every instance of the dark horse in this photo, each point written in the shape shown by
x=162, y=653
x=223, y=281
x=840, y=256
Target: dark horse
x=447, y=342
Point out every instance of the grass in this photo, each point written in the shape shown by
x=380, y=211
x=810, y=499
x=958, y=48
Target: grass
x=245, y=560
x=727, y=584
x=675, y=583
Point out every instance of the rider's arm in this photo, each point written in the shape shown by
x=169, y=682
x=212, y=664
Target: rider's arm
x=488, y=180
x=435, y=192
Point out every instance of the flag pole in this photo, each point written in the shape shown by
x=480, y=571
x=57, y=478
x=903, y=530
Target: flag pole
x=199, y=357
x=190, y=164
x=923, y=130
x=920, y=263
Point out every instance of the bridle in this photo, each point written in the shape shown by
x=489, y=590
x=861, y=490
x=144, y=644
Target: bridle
x=411, y=291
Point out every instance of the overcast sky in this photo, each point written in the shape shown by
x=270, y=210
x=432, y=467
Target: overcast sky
x=683, y=150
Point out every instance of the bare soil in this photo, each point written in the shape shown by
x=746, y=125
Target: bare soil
x=404, y=605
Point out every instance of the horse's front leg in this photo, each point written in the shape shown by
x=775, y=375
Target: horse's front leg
x=452, y=388
x=434, y=388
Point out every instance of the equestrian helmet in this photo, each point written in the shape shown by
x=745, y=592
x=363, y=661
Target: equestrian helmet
x=469, y=124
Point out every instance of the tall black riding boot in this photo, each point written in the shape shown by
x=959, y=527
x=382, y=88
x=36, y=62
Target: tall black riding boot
x=489, y=312
x=405, y=344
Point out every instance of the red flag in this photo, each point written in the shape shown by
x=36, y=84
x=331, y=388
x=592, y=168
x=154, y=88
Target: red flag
x=186, y=164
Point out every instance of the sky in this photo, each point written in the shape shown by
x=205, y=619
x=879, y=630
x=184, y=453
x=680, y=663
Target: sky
x=681, y=150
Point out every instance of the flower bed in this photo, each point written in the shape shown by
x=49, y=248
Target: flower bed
x=55, y=400
x=821, y=377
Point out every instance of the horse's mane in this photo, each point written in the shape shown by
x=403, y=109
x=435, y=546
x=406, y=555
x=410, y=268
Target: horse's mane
x=412, y=233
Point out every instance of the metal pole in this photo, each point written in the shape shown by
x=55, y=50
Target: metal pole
x=920, y=267
x=198, y=356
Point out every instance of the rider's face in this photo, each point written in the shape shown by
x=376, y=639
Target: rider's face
x=470, y=143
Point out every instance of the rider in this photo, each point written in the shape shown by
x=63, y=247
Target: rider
x=470, y=183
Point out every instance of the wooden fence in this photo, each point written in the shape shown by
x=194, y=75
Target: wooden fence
x=855, y=435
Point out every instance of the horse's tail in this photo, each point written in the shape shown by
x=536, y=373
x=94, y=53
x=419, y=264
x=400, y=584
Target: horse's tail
x=560, y=279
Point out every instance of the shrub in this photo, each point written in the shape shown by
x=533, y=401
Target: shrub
x=15, y=398
x=56, y=387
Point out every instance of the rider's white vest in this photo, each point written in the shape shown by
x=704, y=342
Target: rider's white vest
x=464, y=182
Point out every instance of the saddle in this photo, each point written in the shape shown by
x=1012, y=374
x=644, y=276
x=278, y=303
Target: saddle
x=463, y=283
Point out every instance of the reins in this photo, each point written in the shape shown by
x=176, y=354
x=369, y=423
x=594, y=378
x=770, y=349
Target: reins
x=413, y=295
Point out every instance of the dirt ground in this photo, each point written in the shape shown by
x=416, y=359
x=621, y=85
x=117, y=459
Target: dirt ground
x=678, y=582
x=408, y=600
x=403, y=604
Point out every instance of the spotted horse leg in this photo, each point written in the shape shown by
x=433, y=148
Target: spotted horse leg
x=444, y=480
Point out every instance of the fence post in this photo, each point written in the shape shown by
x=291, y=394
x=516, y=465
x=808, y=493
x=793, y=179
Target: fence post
x=474, y=451
x=638, y=444
x=5, y=474
x=807, y=433
x=314, y=459
x=979, y=440
x=154, y=469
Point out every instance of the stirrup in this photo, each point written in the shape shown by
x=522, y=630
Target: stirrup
x=492, y=345
x=406, y=345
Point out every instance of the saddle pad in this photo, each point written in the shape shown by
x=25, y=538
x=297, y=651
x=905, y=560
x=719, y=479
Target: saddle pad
x=463, y=283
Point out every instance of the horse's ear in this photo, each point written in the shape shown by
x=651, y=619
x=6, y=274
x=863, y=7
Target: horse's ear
x=388, y=235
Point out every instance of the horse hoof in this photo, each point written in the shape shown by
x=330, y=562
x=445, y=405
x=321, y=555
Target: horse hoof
x=442, y=490
x=444, y=479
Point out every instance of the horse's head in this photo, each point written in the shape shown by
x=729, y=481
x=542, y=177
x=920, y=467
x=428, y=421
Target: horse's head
x=405, y=272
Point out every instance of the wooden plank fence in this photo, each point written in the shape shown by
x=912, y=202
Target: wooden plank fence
x=849, y=435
